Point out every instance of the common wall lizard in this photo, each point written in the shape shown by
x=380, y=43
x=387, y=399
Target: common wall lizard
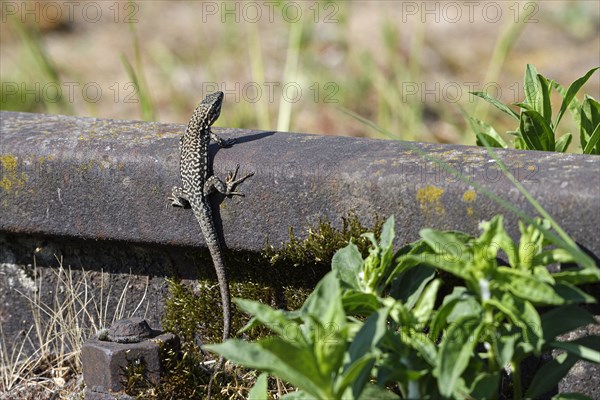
x=198, y=184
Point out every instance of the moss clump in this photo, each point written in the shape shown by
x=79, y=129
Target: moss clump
x=190, y=314
x=318, y=248
x=135, y=377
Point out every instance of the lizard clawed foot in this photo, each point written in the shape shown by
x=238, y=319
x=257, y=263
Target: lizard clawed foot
x=228, y=142
x=231, y=181
x=177, y=198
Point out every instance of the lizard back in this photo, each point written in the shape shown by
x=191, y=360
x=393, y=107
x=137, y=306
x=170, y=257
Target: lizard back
x=194, y=144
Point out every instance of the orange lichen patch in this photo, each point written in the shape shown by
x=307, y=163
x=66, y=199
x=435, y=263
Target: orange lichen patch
x=429, y=199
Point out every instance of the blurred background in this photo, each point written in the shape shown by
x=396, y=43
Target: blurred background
x=407, y=66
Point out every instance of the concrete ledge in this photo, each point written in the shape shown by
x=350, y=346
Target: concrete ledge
x=67, y=179
x=106, y=179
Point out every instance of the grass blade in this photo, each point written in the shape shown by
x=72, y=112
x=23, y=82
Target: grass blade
x=496, y=103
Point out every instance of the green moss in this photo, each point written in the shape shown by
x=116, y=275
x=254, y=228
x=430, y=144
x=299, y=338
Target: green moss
x=281, y=277
x=318, y=248
x=135, y=377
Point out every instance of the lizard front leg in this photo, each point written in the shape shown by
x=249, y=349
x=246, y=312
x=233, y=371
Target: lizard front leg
x=226, y=188
x=224, y=143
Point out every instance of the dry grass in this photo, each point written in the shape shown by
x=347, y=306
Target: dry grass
x=44, y=362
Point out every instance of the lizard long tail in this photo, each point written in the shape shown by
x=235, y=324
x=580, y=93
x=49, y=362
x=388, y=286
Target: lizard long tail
x=216, y=254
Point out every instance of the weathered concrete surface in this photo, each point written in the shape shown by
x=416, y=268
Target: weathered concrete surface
x=106, y=179
x=93, y=192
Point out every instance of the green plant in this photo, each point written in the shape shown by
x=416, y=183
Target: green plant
x=386, y=317
x=536, y=130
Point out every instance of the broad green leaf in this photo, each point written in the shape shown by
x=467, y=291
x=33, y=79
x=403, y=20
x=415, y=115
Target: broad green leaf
x=407, y=287
x=485, y=386
x=533, y=92
x=461, y=300
x=293, y=364
x=572, y=294
x=494, y=235
x=590, y=119
x=278, y=321
x=505, y=347
x=403, y=263
x=523, y=285
x=586, y=348
x=571, y=92
x=386, y=244
x=564, y=319
x=259, y=390
x=325, y=302
x=356, y=376
x=363, y=352
x=454, y=266
x=398, y=312
x=360, y=303
x=546, y=377
x=552, y=256
x=523, y=315
x=448, y=245
x=375, y=392
x=536, y=132
x=369, y=335
x=592, y=146
x=563, y=142
x=328, y=332
x=467, y=305
x=424, y=346
x=455, y=352
x=499, y=105
x=348, y=263
x=546, y=110
x=578, y=276
x=401, y=364
x=423, y=308
x=387, y=233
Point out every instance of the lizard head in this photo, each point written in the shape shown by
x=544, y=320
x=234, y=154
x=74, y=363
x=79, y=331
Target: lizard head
x=212, y=106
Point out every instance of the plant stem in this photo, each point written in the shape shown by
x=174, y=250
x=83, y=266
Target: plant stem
x=516, y=378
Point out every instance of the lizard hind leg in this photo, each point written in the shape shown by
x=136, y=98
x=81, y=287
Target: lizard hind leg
x=179, y=197
x=231, y=182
